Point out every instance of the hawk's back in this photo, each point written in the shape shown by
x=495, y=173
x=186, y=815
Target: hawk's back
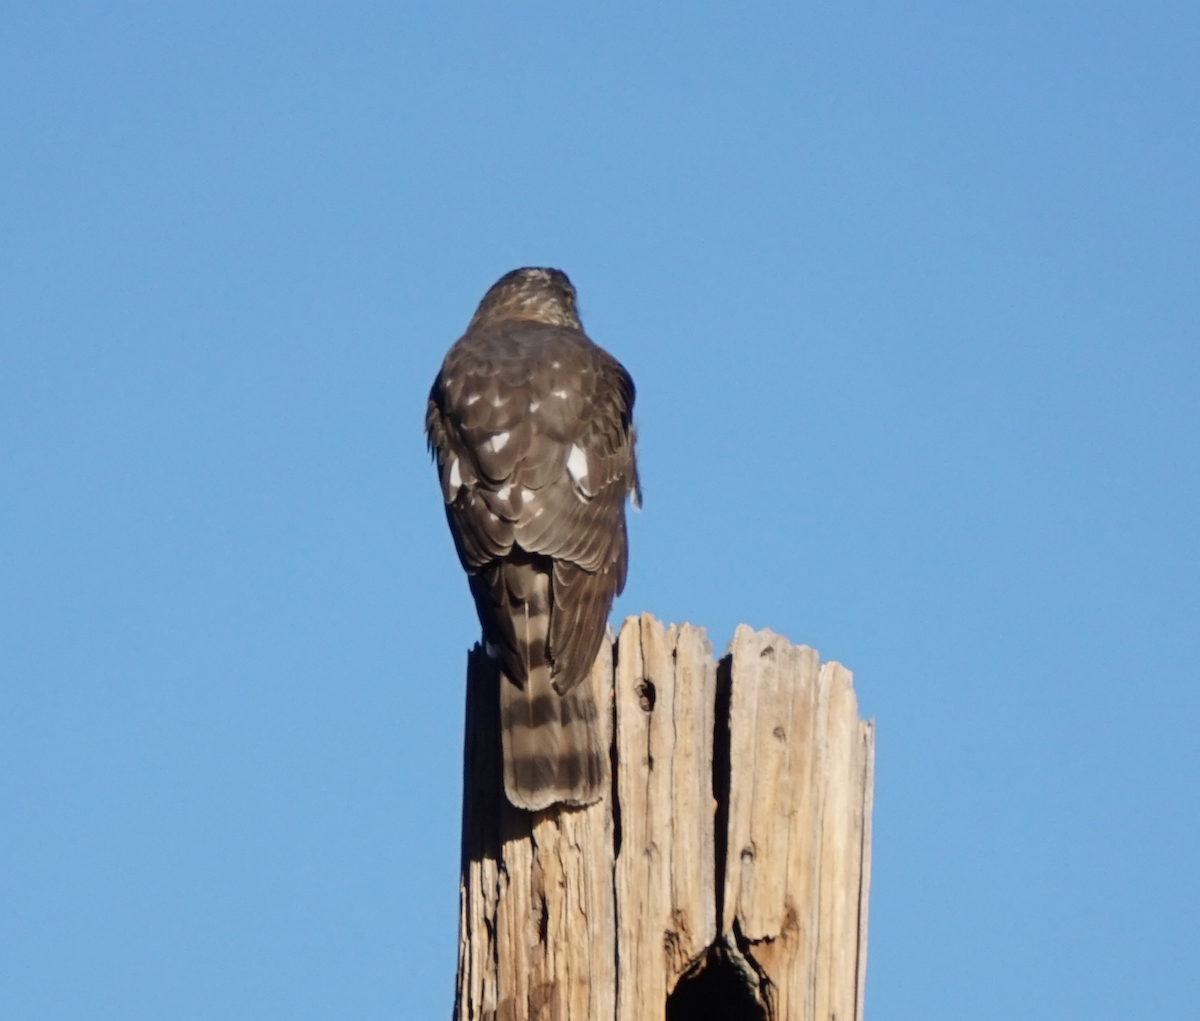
x=531, y=423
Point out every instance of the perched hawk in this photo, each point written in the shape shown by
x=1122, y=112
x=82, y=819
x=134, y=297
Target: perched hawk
x=532, y=428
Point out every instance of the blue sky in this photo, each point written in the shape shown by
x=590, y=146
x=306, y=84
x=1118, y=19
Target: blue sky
x=910, y=295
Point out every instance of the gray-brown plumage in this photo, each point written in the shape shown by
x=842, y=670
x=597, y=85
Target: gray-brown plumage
x=532, y=427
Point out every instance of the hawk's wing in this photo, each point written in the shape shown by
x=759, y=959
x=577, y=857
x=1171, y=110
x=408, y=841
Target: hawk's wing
x=532, y=428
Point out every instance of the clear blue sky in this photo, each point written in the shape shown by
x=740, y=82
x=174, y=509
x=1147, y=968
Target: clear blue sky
x=910, y=293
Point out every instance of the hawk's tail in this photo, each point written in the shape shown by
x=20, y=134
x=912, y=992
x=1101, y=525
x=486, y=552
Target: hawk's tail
x=552, y=747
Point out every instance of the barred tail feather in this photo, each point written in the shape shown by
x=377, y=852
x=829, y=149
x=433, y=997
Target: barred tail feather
x=552, y=747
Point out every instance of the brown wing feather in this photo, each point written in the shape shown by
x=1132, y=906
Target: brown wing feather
x=578, y=620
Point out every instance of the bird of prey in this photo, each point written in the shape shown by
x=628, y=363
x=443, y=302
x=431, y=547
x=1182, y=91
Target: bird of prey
x=531, y=424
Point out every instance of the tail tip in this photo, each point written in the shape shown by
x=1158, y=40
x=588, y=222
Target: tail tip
x=535, y=785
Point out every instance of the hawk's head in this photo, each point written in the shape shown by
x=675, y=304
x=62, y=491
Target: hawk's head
x=542, y=295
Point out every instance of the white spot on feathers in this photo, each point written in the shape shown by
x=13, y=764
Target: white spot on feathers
x=491, y=650
x=534, y=405
x=498, y=441
x=527, y=494
x=560, y=393
x=498, y=400
x=472, y=399
x=577, y=464
x=455, y=479
x=503, y=492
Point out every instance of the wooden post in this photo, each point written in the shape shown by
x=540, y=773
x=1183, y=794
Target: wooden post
x=725, y=877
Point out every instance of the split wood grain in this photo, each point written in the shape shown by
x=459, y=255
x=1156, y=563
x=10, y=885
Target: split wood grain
x=798, y=862
x=666, y=915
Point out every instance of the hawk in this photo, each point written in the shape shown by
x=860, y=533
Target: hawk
x=531, y=424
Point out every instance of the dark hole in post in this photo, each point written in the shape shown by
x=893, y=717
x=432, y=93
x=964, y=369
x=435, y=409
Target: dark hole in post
x=715, y=989
x=646, y=696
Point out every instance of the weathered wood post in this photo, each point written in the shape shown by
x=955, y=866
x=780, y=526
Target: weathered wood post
x=725, y=877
